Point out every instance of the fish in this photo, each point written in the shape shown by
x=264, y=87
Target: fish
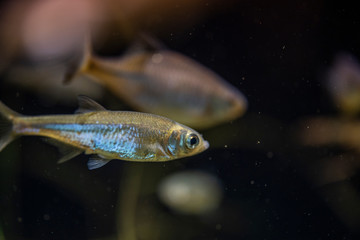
x=105, y=135
x=191, y=192
x=151, y=78
x=328, y=131
x=45, y=83
x=343, y=84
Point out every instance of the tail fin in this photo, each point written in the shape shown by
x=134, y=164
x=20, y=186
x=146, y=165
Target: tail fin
x=80, y=62
x=6, y=118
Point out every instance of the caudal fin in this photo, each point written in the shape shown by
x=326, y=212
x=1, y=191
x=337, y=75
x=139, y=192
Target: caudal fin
x=6, y=118
x=80, y=62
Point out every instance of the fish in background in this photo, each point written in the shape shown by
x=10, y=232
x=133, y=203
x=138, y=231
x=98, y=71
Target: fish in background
x=191, y=192
x=106, y=135
x=322, y=131
x=46, y=83
x=332, y=175
x=36, y=38
x=344, y=84
x=163, y=82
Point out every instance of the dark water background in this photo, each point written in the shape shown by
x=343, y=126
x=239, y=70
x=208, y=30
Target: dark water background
x=276, y=54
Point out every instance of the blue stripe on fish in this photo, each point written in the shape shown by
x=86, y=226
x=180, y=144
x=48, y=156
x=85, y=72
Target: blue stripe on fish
x=113, y=138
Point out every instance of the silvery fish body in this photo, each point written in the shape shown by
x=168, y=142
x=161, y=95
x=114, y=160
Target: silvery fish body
x=131, y=136
x=169, y=84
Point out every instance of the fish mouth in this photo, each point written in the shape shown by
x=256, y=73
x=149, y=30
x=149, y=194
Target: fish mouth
x=240, y=105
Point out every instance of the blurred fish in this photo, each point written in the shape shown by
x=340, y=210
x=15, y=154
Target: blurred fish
x=191, y=192
x=165, y=83
x=332, y=169
x=320, y=131
x=344, y=84
x=106, y=134
x=46, y=82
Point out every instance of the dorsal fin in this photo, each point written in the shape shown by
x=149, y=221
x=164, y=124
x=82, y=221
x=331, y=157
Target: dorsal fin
x=145, y=43
x=151, y=42
x=86, y=105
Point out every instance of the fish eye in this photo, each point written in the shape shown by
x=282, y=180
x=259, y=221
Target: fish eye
x=192, y=141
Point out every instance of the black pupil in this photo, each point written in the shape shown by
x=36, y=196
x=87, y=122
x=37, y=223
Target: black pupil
x=193, y=140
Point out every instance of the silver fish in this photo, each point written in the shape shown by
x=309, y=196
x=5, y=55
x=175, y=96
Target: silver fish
x=165, y=83
x=106, y=135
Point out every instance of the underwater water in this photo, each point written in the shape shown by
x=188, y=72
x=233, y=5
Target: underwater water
x=269, y=183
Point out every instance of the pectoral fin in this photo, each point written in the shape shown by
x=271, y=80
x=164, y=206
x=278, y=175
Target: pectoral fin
x=96, y=162
x=160, y=152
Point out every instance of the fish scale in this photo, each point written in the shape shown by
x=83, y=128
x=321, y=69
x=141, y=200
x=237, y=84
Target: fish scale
x=110, y=138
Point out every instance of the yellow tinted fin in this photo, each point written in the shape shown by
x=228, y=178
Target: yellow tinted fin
x=67, y=152
x=6, y=118
x=86, y=105
x=134, y=59
x=151, y=42
x=70, y=155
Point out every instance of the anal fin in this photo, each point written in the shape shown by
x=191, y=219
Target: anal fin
x=5, y=139
x=67, y=151
x=69, y=155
